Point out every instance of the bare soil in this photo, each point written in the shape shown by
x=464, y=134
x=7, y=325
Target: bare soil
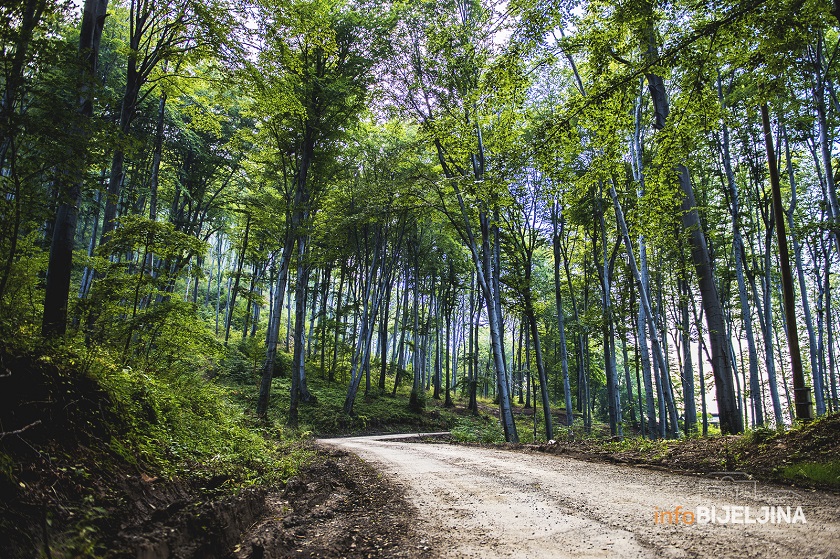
x=338, y=507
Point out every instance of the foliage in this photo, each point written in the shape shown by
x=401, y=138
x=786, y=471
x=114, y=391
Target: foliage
x=171, y=418
x=478, y=429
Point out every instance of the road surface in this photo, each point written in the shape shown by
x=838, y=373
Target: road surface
x=480, y=502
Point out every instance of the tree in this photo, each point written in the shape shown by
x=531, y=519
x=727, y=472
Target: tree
x=314, y=74
x=57, y=289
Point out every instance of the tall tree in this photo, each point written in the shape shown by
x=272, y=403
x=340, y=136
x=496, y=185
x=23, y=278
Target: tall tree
x=60, y=266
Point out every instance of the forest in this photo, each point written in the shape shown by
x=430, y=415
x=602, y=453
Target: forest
x=623, y=211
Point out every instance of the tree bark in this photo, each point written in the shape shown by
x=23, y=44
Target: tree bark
x=240, y=264
x=730, y=418
x=561, y=321
x=801, y=392
x=60, y=266
x=738, y=252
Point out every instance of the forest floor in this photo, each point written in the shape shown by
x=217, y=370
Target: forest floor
x=807, y=455
x=74, y=484
x=336, y=506
x=498, y=502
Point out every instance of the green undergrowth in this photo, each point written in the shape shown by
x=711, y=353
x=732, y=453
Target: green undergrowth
x=168, y=417
x=375, y=412
x=802, y=454
x=486, y=428
x=481, y=428
x=87, y=433
x=827, y=473
x=184, y=423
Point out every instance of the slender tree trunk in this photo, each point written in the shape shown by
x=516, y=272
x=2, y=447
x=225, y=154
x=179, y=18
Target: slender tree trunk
x=628, y=381
x=535, y=335
x=610, y=368
x=492, y=296
x=820, y=106
x=801, y=392
x=115, y=181
x=399, y=364
x=738, y=252
x=730, y=417
x=447, y=314
x=800, y=272
x=17, y=61
x=300, y=320
x=273, y=333
x=154, y=179
x=688, y=370
x=638, y=364
x=558, y=299
x=302, y=294
x=60, y=265
x=646, y=316
x=383, y=335
x=472, y=357
x=436, y=381
x=416, y=387
x=325, y=295
x=373, y=293
x=238, y=277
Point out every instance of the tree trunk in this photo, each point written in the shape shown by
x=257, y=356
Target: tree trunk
x=535, y=335
x=238, y=277
x=688, y=371
x=373, y=293
x=646, y=316
x=416, y=387
x=738, y=252
x=60, y=266
x=801, y=392
x=561, y=321
x=820, y=106
x=334, y=363
x=803, y=289
x=300, y=321
x=154, y=179
x=730, y=417
x=383, y=335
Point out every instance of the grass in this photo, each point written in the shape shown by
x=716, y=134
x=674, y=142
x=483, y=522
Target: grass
x=183, y=424
x=478, y=429
x=826, y=473
x=104, y=423
x=375, y=412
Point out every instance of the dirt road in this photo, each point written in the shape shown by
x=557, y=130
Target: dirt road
x=478, y=502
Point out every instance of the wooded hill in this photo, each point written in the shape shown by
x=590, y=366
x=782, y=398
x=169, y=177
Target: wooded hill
x=624, y=210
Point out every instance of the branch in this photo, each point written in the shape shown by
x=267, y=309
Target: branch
x=5, y=434
x=669, y=54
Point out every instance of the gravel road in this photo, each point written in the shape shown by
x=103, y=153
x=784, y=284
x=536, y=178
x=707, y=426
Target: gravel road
x=480, y=502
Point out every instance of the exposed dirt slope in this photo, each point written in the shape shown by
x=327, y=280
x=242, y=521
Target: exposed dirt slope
x=338, y=507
